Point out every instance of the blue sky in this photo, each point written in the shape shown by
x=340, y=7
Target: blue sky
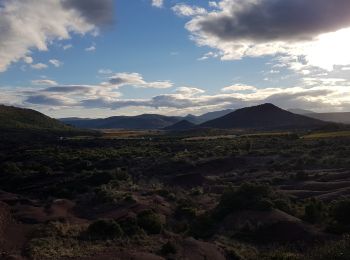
x=170, y=57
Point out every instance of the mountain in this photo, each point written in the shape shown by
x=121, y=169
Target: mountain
x=266, y=116
x=141, y=122
x=180, y=126
x=20, y=118
x=343, y=118
x=207, y=116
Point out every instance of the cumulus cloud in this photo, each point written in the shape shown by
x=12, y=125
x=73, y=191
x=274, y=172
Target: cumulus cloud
x=39, y=66
x=158, y=3
x=97, y=12
x=48, y=100
x=31, y=24
x=105, y=93
x=136, y=80
x=44, y=82
x=67, y=47
x=315, y=98
x=238, y=88
x=28, y=60
x=324, y=98
x=189, y=91
x=91, y=48
x=253, y=28
x=105, y=71
x=187, y=10
x=56, y=63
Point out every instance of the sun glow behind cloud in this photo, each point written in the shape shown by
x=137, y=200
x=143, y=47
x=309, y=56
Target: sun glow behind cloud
x=329, y=50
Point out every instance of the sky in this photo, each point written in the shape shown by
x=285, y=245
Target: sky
x=100, y=58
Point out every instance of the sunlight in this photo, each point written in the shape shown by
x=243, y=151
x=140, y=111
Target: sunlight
x=330, y=49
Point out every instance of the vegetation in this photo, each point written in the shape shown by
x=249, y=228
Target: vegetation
x=250, y=196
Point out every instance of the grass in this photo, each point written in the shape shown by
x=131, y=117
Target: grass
x=327, y=135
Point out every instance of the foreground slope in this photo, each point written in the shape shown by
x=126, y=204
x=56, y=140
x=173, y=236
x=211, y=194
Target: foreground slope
x=20, y=118
x=266, y=116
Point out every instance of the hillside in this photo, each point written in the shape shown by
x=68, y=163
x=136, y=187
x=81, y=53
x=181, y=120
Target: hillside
x=343, y=118
x=20, y=118
x=180, y=126
x=266, y=116
x=207, y=116
x=142, y=122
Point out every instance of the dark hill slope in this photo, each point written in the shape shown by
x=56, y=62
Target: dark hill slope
x=343, y=118
x=266, y=116
x=207, y=116
x=180, y=126
x=20, y=118
x=141, y=122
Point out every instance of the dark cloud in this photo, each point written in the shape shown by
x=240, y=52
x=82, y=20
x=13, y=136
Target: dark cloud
x=45, y=100
x=98, y=12
x=67, y=89
x=271, y=20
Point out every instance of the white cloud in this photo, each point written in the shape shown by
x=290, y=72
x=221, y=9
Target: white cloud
x=39, y=66
x=56, y=63
x=187, y=10
x=28, y=60
x=158, y=3
x=136, y=80
x=44, y=82
x=67, y=47
x=91, y=48
x=189, y=91
x=255, y=28
x=105, y=71
x=33, y=25
x=213, y=4
x=238, y=88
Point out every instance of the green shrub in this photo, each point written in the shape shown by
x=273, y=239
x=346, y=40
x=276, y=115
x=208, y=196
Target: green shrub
x=104, y=229
x=150, y=222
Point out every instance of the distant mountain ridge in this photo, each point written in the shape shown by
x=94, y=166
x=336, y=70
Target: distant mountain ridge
x=343, y=118
x=21, y=118
x=336, y=117
x=141, y=122
x=145, y=121
x=207, y=116
x=265, y=116
x=180, y=126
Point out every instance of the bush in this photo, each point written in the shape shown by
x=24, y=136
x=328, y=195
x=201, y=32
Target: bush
x=340, y=211
x=168, y=248
x=130, y=227
x=104, y=229
x=314, y=211
x=284, y=205
x=249, y=196
x=150, y=222
x=338, y=250
x=10, y=169
x=203, y=227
